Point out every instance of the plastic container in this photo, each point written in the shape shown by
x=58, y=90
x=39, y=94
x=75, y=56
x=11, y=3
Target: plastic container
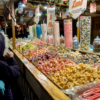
x=75, y=42
x=96, y=45
x=85, y=33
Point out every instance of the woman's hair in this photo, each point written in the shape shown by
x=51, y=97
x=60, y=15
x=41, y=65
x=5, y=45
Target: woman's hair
x=3, y=43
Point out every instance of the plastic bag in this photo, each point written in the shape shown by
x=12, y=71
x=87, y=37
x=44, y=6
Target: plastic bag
x=75, y=92
x=50, y=39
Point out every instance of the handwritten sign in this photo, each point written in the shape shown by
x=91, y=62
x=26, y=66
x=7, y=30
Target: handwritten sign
x=24, y=1
x=77, y=7
x=37, y=15
x=50, y=19
x=92, y=7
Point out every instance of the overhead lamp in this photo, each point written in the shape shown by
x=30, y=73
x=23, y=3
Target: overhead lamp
x=39, y=14
x=45, y=7
x=23, y=5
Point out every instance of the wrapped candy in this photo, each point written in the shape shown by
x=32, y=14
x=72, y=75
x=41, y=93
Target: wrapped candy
x=50, y=39
x=85, y=32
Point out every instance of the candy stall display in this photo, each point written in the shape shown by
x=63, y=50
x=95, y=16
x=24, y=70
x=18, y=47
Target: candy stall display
x=35, y=41
x=56, y=33
x=85, y=32
x=28, y=46
x=38, y=30
x=11, y=40
x=32, y=31
x=61, y=49
x=74, y=75
x=44, y=32
x=54, y=65
x=68, y=33
x=82, y=58
x=43, y=57
x=32, y=53
x=75, y=42
x=50, y=39
x=96, y=45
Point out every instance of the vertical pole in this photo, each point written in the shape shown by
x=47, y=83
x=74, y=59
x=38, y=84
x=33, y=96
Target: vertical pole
x=78, y=29
x=13, y=24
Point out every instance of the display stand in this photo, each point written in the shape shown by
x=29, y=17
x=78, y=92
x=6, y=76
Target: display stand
x=40, y=84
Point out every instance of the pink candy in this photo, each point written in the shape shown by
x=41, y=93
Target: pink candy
x=68, y=34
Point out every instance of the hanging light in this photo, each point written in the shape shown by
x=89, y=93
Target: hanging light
x=45, y=7
x=23, y=5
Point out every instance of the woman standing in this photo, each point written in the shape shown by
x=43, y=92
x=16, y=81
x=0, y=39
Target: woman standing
x=9, y=69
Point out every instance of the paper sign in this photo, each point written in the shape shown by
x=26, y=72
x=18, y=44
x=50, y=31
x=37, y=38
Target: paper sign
x=64, y=15
x=37, y=15
x=50, y=19
x=24, y=1
x=77, y=7
x=92, y=7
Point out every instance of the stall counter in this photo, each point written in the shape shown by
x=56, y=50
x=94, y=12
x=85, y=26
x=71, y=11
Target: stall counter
x=43, y=87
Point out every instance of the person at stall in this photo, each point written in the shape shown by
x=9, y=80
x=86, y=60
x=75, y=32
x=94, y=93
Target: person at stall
x=25, y=33
x=18, y=31
x=9, y=69
x=9, y=31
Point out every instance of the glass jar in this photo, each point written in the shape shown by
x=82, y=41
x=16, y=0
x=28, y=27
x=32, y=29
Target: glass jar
x=75, y=42
x=96, y=45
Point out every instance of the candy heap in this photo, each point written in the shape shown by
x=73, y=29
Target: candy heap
x=73, y=76
x=46, y=56
x=30, y=54
x=91, y=94
x=28, y=46
x=54, y=65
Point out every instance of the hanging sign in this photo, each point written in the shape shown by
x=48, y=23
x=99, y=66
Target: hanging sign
x=92, y=7
x=50, y=19
x=64, y=15
x=37, y=15
x=24, y=1
x=20, y=8
x=77, y=7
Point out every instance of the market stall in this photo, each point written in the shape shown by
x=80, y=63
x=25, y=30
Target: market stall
x=59, y=67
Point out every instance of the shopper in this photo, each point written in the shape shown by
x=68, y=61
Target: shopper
x=9, y=69
x=18, y=31
x=25, y=33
